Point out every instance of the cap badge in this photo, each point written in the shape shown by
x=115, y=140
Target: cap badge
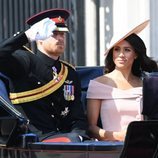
x=60, y=19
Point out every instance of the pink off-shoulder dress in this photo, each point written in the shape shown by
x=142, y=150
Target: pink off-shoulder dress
x=118, y=107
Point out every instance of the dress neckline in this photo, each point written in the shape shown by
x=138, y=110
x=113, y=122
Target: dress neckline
x=106, y=85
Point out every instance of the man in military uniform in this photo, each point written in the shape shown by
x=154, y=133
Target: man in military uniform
x=44, y=88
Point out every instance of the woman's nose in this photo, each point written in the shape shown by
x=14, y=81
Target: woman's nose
x=121, y=53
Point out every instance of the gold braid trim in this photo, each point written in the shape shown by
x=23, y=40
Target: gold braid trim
x=28, y=49
x=41, y=92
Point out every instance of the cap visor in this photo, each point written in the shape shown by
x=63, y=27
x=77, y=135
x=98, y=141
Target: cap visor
x=62, y=29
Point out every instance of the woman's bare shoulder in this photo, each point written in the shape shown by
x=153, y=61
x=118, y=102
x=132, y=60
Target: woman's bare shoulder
x=105, y=79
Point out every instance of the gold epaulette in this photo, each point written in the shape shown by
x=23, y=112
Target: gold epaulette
x=68, y=64
x=28, y=49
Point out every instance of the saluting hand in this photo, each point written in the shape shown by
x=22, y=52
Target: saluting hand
x=41, y=30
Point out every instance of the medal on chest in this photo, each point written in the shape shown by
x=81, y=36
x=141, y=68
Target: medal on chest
x=69, y=91
x=55, y=74
x=65, y=112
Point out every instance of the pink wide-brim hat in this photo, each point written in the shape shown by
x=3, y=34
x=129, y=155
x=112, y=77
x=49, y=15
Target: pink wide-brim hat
x=121, y=36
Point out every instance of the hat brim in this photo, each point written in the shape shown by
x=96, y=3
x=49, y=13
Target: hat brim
x=116, y=39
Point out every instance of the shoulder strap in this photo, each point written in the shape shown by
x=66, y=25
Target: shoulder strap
x=68, y=64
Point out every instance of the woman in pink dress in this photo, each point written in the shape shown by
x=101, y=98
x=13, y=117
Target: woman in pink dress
x=116, y=96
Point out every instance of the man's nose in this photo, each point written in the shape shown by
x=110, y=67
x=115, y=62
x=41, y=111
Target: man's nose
x=61, y=37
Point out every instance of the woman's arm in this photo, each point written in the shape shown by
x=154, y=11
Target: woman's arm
x=93, y=111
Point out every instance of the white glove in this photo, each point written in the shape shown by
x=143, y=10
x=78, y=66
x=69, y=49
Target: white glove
x=41, y=30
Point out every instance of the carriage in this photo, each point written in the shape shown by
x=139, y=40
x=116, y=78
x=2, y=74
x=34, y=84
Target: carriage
x=141, y=139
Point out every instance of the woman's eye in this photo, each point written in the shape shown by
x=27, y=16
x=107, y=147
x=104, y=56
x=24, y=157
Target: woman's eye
x=116, y=49
x=127, y=50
